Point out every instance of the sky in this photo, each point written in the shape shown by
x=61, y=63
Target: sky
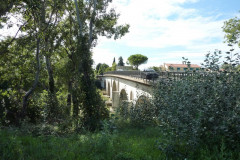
x=167, y=30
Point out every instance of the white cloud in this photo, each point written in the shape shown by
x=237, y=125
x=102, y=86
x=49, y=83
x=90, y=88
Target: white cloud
x=151, y=27
x=162, y=24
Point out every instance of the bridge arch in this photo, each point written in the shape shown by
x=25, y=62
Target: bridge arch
x=145, y=109
x=123, y=95
x=123, y=103
x=143, y=101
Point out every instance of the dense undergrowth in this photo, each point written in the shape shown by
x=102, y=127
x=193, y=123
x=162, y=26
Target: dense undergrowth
x=120, y=144
x=126, y=144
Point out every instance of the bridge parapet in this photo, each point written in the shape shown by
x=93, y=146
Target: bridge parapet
x=133, y=74
x=125, y=73
x=162, y=75
x=131, y=78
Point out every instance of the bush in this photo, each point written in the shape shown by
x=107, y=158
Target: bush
x=201, y=108
x=140, y=114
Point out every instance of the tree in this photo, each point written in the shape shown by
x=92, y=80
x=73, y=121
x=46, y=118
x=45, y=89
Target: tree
x=232, y=30
x=101, y=68
x=53, y=58
x=232, y=36
x=93, y=19
x=39, y=21
x=98, y=67
x=114, y=67
x=114, y=60
x=137, y=59
x=155, y=68
x=120, y=61
x=212, y=61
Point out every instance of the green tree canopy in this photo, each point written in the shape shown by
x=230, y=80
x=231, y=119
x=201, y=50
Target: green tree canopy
x=232, y=30
x=120, y=61
x=137, y=59
x=155, y=68
x=101, y=68
x=232, y=36
x=114, y=67
x=51, y=63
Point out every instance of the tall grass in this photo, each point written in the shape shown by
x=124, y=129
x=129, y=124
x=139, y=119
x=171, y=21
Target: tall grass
x=129, y=144
x=125, y=144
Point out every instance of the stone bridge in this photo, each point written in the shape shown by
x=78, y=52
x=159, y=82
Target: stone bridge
x=126, y=88
x=130, y=87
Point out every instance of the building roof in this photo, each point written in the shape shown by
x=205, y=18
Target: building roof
x=182, y=65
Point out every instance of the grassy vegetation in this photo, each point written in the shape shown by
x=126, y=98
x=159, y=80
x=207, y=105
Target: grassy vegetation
x=128, y=144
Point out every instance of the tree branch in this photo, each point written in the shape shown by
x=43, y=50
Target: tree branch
x=14, y=38
x=79, y=19
x=30, y=91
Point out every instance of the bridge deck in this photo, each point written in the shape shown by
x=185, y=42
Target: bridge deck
x=131, y=78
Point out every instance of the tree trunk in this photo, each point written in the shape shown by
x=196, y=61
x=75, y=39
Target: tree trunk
x=53, y=103
x=50, y=75
x=69, y=98
x=30, y=91
x=75, y=105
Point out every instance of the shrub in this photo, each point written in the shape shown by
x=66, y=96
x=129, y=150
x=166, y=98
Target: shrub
x=140, y=114
x=201, y=108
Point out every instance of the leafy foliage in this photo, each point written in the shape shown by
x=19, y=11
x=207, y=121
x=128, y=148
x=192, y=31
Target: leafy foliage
x=202, y=108
x=141, y=114
x=101, y=68
x=212, y=61
x=120, y=61
x=155, y=68
x=232, y=30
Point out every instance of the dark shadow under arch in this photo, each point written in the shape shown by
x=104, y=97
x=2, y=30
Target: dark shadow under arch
x=123, y=95
x=108, y=89
x=143, y=101
x=105, y=84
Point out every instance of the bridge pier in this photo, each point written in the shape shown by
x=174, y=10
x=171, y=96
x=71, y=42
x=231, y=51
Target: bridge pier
x=115, y=99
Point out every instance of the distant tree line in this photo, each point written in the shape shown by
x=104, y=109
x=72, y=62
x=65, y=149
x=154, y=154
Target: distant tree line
x=134, y=60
